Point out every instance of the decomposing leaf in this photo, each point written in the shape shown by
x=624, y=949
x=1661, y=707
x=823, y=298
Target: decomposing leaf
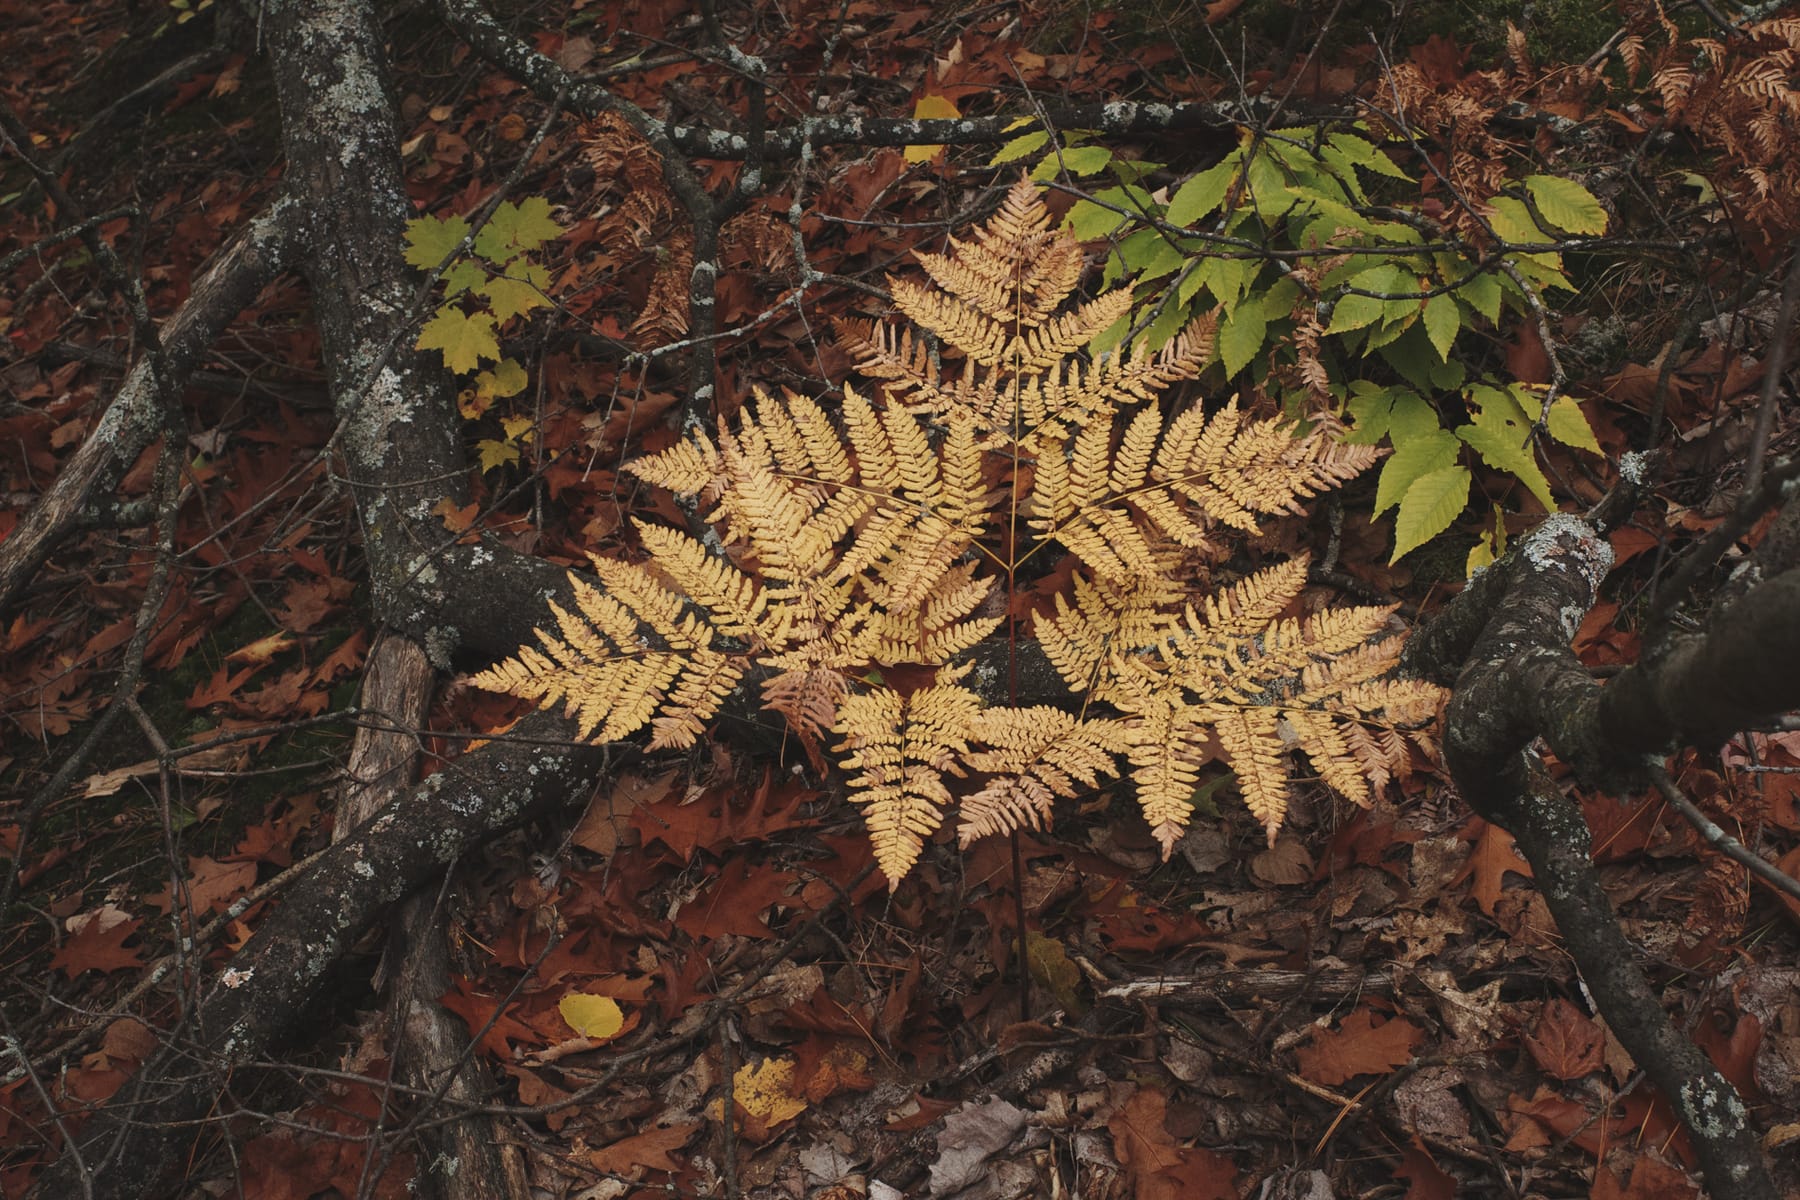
x=1489, y=862
x=1565, y=1042
x=98, y=944
x=1157, y=1167
x=652, y=1150
x=764, y=1093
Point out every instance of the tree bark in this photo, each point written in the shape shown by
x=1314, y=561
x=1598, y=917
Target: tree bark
x=431, y=1047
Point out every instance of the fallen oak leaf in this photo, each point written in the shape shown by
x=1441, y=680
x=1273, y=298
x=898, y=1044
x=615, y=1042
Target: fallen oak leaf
x=1357, y=1047
x=651, y=1150
x=1493, y=856
x=98, y=944
x=1565, y=1042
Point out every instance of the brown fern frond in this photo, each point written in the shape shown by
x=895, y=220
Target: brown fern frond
x=665, y=313
x=808, y=699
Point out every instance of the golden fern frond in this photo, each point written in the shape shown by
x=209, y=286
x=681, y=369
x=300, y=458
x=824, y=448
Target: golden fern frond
x=1039, y=753
x=705, y=681
x=984, y=338
x=1250, y=603
x=902, y=747
x=603, y=671
x=937, y=507
x=1168, y=746
x=1106, y=619
x=775, y=517
x=688, y=468
x=1326, y=748
x=1266, y=684
x=735, y=606
x=1077, y=390
x=1106, y=507
x=1251, y=738
x=1044, y=347
x=864, y=536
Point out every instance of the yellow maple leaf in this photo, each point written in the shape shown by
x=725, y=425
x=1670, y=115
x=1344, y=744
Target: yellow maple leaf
x=463, y=339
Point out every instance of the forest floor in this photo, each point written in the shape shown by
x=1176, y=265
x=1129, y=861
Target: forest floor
x=1377, y=1005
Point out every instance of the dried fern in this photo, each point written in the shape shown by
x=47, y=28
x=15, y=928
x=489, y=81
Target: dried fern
x=871, y=536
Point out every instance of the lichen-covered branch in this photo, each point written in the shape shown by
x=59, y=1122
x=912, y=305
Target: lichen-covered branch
x=1504, y=645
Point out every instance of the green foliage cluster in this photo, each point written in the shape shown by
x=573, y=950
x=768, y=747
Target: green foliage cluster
x=1331, y=281
x=488, y=281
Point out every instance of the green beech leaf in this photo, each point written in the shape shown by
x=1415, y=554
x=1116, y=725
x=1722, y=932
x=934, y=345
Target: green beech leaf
x=1088, y=220
x=1203, y=192
x=1443, y=320
x=1504, y=442
x=1413, y=459
x=1355, y=312
x=1085, y=160
x=1364, y=154
x=1512, y=221
x=1569, y=425
x=1024, y=145
x=1482, y=291
x=1430, y=505
x=1566, y=204
x=1241, y=337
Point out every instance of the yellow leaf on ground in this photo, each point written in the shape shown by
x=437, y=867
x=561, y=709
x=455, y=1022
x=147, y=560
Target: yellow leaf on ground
x=593, y=1017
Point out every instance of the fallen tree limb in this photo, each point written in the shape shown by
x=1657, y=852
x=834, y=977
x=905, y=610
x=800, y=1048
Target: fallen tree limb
x=131, y=1144
x=430, y=1048
x=265, y=248
x=1504, y=645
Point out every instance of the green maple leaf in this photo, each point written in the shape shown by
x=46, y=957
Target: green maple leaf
x=494, y=453
x=464, y=340
x=506, y=379
x=430, y=240
x=518, y=291
x=516, y=229
x=461, y=277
